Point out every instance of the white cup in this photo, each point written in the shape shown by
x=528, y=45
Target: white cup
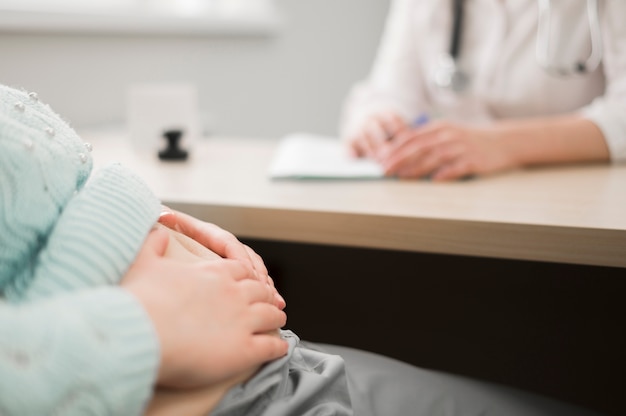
x=153, y=109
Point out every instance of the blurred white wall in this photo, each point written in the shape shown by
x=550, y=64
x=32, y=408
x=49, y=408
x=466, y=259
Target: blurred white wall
x=254, y=86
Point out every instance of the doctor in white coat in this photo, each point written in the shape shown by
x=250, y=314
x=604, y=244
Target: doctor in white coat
x=474, y=87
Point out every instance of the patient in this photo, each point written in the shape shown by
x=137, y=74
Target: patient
x=99, y=308
x=105, y=312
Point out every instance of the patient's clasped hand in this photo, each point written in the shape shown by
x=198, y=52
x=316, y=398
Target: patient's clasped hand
x=179, y=247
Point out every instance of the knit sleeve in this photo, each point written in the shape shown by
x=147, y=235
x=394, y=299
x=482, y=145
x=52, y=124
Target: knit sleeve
x=91, y=352
x=94, y=240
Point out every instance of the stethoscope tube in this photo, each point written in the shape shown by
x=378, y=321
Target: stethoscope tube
x=448, y=74
x=457, y=27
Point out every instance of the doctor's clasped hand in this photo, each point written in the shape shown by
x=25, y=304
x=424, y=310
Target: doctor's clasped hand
x=446, y=150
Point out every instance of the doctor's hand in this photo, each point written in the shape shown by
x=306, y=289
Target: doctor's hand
x=214, y=319
x=220, y=241
x=370, y=138
x=443, y=151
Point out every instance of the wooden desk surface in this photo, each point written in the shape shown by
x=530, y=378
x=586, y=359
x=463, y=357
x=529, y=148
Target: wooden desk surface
x=574, y=214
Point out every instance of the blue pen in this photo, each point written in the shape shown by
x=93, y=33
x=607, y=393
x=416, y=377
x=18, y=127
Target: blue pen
x=420, y=120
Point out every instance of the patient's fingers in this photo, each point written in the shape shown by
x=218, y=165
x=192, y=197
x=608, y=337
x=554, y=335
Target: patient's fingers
x=257, y=262
x=167, y=217
x=266, y=318
x=217, y=241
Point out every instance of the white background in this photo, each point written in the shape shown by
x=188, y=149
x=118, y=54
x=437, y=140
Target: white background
x=261, y=86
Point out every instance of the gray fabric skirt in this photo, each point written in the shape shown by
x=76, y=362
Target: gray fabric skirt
x=320, y=379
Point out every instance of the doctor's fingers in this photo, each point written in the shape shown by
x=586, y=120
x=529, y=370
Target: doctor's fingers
x=456, y=169
x=389, y=126
x=409, y=149
x=421, y=159
x=377, y=131
x=427, y=135
x=392, y=124
x=454, y=162
x=369, y=139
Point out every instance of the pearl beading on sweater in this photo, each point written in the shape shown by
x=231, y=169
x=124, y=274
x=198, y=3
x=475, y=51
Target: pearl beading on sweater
x=21, y=107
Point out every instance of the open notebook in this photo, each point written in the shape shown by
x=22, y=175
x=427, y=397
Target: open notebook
x=311, y=156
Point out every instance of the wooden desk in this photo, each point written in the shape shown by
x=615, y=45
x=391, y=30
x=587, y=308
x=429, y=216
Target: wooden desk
x=517, y=278
x=567, y=214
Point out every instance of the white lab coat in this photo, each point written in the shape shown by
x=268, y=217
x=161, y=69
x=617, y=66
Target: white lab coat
x=497, y=50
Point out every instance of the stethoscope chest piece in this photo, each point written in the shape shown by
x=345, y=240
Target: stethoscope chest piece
x=449, y=76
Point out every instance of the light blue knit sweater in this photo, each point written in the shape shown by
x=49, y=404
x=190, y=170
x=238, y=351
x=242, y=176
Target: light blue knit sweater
x=71, y=341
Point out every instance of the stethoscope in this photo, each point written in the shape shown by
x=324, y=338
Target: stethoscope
x=449, y=75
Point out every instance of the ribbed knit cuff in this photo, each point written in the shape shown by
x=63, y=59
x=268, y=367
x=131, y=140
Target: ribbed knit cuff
x=97, y=236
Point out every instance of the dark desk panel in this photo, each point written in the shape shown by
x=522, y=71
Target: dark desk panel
x=555, y=329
